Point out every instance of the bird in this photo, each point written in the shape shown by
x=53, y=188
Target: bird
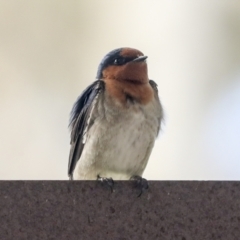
x=115, y=121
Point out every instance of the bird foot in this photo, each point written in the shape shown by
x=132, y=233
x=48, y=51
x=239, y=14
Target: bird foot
x=140, y=183
x=106, y=181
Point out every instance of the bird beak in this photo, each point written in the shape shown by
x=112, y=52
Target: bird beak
x=140, y=59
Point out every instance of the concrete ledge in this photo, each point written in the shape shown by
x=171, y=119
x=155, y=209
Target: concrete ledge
x=183, y=210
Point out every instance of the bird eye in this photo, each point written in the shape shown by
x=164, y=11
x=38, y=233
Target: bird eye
x=119, y=61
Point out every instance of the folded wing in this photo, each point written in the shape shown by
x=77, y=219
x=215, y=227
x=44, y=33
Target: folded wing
x=79, y=122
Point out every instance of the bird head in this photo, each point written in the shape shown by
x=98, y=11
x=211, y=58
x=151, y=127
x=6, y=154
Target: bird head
x=124, y=64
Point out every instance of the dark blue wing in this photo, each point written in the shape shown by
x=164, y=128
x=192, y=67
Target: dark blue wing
x=78, y=122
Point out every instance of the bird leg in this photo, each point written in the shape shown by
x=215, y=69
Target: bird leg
x=140, y=183
x=107, y=181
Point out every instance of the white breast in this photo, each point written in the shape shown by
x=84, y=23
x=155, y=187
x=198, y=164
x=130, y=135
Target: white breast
x=119, y=142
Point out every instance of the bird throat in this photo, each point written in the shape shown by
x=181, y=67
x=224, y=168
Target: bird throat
x=129, y=91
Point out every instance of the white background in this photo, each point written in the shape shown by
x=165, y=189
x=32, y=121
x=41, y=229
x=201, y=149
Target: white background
x=50, y=51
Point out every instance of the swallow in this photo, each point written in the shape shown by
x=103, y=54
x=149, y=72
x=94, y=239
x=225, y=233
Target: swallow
x=115, y=121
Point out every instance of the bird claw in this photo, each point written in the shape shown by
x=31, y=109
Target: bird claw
x=141, y=183
x=108, y=181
